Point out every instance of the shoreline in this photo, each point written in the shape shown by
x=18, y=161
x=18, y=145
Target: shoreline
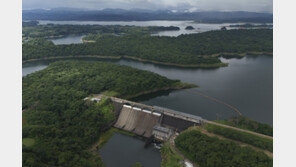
x=178, y=87
x=216, y=65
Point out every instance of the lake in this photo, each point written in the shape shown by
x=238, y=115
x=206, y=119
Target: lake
x=68, y=40
x=246, y=84
x=124, y=151
x=198, y=27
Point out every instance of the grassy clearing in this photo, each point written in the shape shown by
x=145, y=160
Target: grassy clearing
x=170, y=158
x=110, y=93
x=28, y=142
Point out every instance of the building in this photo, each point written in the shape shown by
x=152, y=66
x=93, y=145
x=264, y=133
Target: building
x=162, y=133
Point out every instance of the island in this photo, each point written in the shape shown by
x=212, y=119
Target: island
x=190, y=50
x=31, y=29
x=189, y=28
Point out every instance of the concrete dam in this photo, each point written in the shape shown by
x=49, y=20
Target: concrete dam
x=150, y=121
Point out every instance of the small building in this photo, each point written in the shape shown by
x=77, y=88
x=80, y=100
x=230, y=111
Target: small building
x=162, y=133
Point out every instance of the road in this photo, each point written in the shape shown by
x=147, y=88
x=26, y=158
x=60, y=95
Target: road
x=238, y=129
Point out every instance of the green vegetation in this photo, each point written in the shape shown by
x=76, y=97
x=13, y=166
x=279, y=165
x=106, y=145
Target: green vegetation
x=137, y=164
x=189, y=28
x=28, y=142
x=110, y=93
x=248, y=25
x=169, y=157
x=32, y=30
x=193, y=50
x=212, y=152
x=61, y=123
x=249, y=124
x=257, y=141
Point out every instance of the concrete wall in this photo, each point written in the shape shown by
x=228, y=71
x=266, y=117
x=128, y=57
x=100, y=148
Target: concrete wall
x=176, y=123
x=136, y=121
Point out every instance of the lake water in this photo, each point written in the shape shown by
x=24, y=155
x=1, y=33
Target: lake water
x=198, y=27
x=125, y=151
x=246, y=84
x=32, y=67
x=68, y=40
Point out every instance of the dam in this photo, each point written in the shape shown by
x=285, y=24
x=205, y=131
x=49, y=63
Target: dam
x=150, y=121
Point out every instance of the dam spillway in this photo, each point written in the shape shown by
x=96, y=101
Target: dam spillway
x=136, y=120
x=147, y=121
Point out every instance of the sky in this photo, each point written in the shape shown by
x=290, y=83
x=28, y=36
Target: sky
x=178, y=5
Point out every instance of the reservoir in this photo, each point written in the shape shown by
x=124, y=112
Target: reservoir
x=198, y=27
x=68, y=40
x=124, y=151
x=246, y=84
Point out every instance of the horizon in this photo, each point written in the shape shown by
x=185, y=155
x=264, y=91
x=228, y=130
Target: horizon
x=142, y=9
x=259, y=6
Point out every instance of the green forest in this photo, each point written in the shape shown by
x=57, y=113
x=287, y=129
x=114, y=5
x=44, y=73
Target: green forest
x=257, y=141
x=33, y=30
x=58, y=125
x=191, y=50
x=249, y=124
x=213, y=152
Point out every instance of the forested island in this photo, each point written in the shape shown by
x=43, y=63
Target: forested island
x=59, y=126
x=189, y=28
x=31, y=29
x=191, y=50
x=249, y=25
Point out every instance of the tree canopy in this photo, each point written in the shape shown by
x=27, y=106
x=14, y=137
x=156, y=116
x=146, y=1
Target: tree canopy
x=213, y=152
x=198, y=50
x=58, y=125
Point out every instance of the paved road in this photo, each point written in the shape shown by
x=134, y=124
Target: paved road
x=238, y=129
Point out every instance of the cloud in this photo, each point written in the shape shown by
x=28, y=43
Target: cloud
x=190, y=5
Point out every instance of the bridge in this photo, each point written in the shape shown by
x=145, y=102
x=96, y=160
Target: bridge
x=150, y=121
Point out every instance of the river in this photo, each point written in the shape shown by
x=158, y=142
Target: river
x=125, y=151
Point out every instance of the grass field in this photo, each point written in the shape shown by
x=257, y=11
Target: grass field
x=28, y=142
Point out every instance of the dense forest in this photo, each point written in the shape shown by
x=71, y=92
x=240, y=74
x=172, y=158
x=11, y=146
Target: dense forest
x=31, y=29
x=249, y=124
x=191, y=50
x=257, y=141
x=213, y=152
x=58, y=125
x=249, y=25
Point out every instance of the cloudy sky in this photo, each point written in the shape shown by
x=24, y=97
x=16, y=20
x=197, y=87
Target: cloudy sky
x=190, y=5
